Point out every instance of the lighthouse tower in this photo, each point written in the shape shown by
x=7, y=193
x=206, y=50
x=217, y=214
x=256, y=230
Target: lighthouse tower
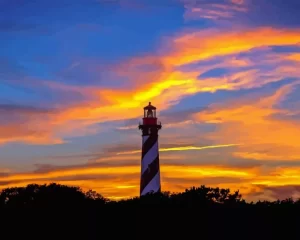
x=150, y=172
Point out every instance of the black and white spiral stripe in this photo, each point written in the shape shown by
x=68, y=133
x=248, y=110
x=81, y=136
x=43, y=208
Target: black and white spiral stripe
x=150, y=172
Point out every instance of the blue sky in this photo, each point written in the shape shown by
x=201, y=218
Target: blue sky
x=75, y=75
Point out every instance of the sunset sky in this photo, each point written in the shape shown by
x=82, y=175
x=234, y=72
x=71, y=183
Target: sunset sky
x=223, y=74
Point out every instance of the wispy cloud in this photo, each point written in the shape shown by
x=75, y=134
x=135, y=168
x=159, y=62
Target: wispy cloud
x=183, y=148
x=171, y=84
x=254, y=124
x=243, y=12
x=214, y=9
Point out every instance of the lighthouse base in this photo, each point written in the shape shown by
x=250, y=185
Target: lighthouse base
x=153, y=186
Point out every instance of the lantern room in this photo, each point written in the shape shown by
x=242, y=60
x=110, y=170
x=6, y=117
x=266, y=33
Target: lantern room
x=149, y=115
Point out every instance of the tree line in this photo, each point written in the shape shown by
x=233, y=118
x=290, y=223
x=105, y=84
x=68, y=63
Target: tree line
x=64, y=212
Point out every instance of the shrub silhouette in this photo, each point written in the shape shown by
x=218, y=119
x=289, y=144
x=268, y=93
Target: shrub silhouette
x=63, y=212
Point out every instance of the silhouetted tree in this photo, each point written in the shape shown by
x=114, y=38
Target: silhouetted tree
x=64, y=212
x=93, y=195
x=42, y=195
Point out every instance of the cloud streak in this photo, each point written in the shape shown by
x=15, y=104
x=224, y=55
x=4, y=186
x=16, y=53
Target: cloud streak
x=183, y=148
x=123, y=181
x=109, y=177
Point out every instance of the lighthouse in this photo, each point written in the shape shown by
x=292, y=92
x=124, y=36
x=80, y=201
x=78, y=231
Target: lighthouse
x=150, y=171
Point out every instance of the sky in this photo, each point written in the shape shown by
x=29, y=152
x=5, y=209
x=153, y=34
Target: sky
x=223, y=74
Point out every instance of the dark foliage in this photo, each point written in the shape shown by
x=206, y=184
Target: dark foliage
x=60, y=212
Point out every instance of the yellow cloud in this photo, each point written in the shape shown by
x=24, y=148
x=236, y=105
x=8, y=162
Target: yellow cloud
x=171, y=85
x=168, y=87
x=123, y=181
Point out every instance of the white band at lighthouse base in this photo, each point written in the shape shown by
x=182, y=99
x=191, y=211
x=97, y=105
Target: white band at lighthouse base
x=154, y=185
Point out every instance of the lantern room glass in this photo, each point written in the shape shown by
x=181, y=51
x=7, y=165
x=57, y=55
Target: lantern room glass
x=150, y=113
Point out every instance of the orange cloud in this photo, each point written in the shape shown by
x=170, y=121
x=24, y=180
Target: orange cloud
x=253, y=124
x=294, y=57
x=123, y=182
x=186, y=49
x=117, y=182
x=27, y=134
x=172, y=85
x=169, y=86
x=212, y=43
